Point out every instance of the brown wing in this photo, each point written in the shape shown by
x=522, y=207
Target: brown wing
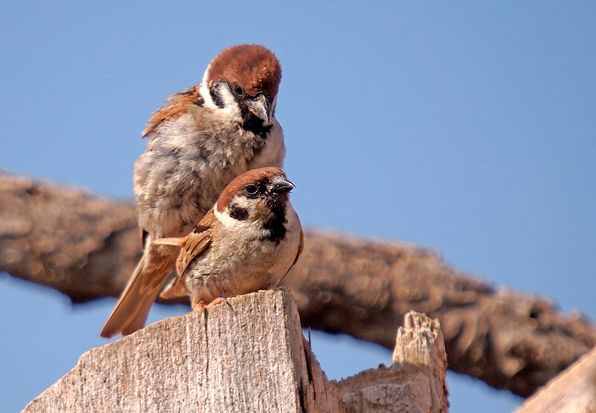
x=196, y=244
x=174, y=108
x=191, y=246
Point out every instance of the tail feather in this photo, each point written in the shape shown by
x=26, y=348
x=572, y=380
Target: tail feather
x=132, y=309
x=174, y=242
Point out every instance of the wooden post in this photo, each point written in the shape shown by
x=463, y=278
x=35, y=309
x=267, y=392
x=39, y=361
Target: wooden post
x=248, y=356
x=415, y=383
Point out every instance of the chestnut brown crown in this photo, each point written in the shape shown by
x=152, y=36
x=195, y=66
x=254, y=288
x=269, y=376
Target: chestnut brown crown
x=239, y=183
x=255, y=68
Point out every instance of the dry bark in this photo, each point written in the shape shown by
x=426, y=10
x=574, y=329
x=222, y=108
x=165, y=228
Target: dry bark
x=416, y=380
x=573, y=391
x=86, y=246
x=247, y=356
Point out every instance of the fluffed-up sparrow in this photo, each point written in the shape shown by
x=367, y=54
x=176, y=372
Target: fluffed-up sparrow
x=247, y=242
x=198, y=142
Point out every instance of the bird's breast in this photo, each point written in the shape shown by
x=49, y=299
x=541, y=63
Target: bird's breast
x=241, y=262
x=189, y=162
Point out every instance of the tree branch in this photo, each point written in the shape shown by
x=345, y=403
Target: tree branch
x=86, y=247
x=574, y=390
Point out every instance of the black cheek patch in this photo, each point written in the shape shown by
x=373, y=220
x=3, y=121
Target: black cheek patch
x=216, y=97
x=238, y=213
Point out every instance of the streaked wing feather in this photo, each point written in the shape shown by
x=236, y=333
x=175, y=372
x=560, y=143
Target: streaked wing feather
x=174, y=108
x=192, y=245
x=196, y=244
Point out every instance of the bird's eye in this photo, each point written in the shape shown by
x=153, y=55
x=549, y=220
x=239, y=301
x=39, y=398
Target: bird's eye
x=252, y=189
x=238, y=90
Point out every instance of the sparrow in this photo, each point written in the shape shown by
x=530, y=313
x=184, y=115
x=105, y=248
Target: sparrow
x=197, y=143
x=247, y=242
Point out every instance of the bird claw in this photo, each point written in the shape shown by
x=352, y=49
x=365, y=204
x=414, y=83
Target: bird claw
x=201, y=306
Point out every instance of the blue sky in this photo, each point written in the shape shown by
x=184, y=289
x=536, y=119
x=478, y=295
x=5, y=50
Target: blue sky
x=468, y=128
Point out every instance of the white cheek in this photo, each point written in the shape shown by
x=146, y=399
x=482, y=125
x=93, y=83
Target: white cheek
x=231, y=223
x=245, y=229
x=226, y=220
x=206, y=74
x=230, y=108
x=204, y=90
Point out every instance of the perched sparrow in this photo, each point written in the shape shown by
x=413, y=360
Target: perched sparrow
x=201, y=140
x=247, y=242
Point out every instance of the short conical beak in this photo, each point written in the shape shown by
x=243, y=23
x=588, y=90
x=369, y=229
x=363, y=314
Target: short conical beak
x=261, y=108
x=282, y=186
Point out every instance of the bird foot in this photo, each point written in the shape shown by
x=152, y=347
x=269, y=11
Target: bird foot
x=201, y=306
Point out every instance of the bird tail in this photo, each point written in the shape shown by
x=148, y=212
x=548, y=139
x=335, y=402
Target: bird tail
x=132, y=309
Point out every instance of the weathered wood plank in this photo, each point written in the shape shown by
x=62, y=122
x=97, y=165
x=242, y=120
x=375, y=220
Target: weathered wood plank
x=415, y=383
x=574, y=390
x=245, y=356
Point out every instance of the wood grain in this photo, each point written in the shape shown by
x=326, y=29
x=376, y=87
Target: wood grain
x=245, y=356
